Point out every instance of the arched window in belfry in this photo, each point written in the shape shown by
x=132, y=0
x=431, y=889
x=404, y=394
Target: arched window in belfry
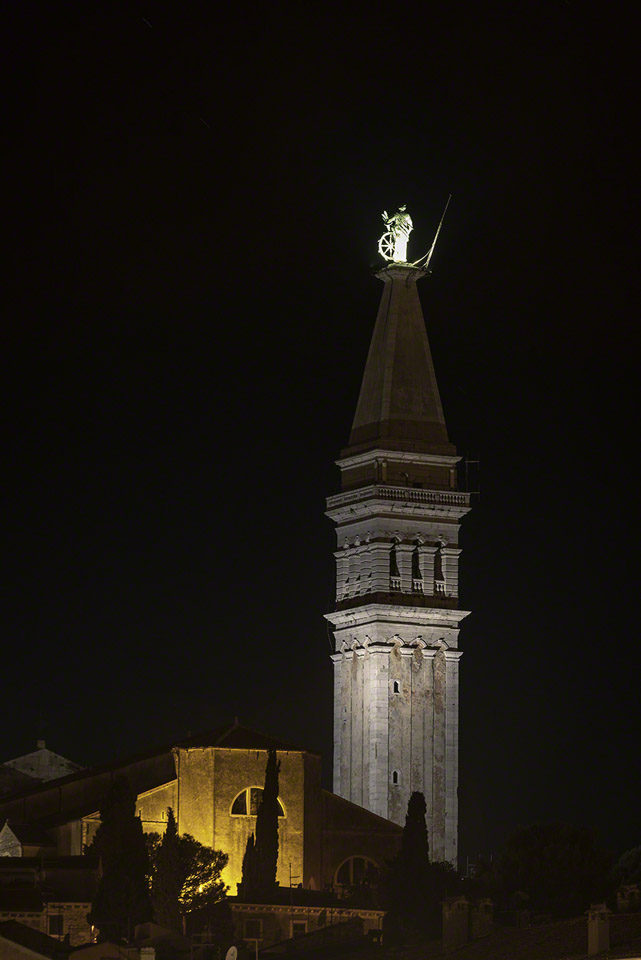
x=394, y=572
x=439, y=577
x=417, y=574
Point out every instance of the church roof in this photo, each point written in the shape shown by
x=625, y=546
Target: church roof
x=399, y=407
x=239, y=738
x=144, y=771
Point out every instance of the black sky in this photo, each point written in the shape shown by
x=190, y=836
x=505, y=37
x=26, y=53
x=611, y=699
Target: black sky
x=193, y=205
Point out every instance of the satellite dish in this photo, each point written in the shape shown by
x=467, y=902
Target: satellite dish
x=232, y=954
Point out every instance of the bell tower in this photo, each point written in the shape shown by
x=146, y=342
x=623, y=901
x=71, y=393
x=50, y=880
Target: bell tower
x=396, y=621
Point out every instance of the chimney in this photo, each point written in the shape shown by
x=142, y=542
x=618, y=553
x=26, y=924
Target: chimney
x=598, y=929
x=40, y=744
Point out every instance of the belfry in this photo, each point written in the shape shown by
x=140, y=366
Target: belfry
x=396, y=622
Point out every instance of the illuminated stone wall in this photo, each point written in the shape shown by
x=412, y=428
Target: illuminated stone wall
x=396, y=728
x=208, y=781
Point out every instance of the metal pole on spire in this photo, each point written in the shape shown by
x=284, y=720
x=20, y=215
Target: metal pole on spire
x=428, y=256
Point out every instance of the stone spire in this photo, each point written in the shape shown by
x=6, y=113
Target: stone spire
x=399, y=407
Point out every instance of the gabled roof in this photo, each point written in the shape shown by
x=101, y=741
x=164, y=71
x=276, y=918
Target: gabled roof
x=32, y=940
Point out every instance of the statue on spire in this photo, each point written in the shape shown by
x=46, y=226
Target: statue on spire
x=393, y=244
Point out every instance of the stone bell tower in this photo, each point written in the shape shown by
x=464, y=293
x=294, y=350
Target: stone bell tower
x=396, y=622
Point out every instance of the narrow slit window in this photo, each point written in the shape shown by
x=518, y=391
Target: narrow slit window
x=396, y=777
x=396, y=686
x=394, y=572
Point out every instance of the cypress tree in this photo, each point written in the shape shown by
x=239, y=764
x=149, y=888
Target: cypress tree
x=122, y=898
x=260, y=861
x=168, y=877
x=414, y=887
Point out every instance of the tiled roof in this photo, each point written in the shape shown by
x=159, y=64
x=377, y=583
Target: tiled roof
x=33, y=940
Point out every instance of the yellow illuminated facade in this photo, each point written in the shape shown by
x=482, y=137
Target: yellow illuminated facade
x=214, y=785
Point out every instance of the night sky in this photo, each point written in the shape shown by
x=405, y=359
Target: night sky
x=193, y=206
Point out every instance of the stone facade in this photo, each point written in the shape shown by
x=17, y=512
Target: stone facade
x=396, y=622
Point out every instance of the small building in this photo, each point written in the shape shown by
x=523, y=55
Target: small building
x=52, y=896
x=267, y=925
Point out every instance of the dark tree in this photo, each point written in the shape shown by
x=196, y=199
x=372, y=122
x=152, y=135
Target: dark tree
x=554, y=869
x=261, y=854
x=412, y=888
x=628, y=867
x=166, y=875
x=185, y=875
x=249, y=879
x=122, y=898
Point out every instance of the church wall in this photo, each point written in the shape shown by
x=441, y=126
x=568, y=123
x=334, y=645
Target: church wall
x=312, y=823
x=152, y=806
x=69, y=838
x=205, y=812
x=351, y=831
x=195, y=794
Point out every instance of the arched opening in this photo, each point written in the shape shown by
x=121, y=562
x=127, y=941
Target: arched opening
x=396, y=777
x=417, y=574
x=356, y=873
x=439, y=578
x=247, y=802
x=394, y=572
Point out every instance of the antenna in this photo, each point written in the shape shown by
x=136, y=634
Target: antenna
x=428, y=256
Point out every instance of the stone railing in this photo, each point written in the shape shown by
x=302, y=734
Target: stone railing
x=414, y=494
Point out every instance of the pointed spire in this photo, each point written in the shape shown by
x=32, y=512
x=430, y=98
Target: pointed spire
x=399, y=407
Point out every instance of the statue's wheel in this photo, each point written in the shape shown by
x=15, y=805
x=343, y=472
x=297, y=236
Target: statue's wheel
x=386, y=246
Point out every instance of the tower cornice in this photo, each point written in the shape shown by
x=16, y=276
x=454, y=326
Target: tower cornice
x=405, y=456
x=396, y=613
